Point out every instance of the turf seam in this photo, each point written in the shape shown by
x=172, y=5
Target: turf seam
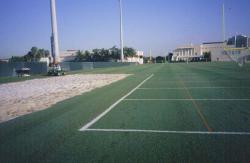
x=197, y=107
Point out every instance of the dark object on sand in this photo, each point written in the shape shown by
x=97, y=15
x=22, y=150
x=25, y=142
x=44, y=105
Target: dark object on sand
x=23, y=72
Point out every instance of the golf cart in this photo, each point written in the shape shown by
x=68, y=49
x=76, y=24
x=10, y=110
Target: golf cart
x=56, y=70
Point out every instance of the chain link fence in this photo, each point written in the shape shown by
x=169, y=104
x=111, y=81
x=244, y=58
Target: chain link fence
x=9, y=69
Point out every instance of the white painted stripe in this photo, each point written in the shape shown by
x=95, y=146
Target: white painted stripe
x=114, y=105
x=186, y=99
x=200, y=81
x=181, y=88
x=168, y=132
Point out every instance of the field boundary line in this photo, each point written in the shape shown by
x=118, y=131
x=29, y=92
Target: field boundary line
x=186, y=99
x=114, y=105
x=204, y=81
x=168, y=132
x=181, y=88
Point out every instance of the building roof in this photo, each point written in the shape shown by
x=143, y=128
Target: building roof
x=205, y=43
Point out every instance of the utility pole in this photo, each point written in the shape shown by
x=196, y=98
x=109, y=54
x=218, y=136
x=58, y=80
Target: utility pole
x=54, y=37
x=150, y=55
x=121, y=31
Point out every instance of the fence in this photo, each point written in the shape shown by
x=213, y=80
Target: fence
x=9, y=69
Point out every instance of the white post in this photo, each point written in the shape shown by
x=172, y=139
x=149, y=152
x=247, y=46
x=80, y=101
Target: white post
x=235, y=40
x=248, y=42
x=54, y=37
x=121, y=31
x=150, y=55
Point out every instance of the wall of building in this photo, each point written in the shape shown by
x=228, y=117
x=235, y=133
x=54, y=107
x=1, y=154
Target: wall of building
x=69, y=55
x=216, y=49
x=46, y=60
x=220, y=51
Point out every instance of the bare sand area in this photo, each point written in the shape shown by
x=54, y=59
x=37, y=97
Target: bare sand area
x=20, y=98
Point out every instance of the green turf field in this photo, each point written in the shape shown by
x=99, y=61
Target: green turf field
x=163, y=113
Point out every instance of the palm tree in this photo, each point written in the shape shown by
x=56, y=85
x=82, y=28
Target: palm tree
x=79, y=56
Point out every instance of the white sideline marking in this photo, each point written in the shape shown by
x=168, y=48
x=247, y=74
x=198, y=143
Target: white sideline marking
x=186, y=99
x=114, y=105
x=168, y=132
x=205, y=81
x=194, y=88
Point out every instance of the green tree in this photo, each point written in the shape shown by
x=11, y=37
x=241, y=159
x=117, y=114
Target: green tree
x=96, y=56
x=129, y=52
x=160, y=59
x=103, y=55
x=115, y=53
x=207, y=56
x=87, y=56
x=79, y=56
x=34, y=54
x=16, y=59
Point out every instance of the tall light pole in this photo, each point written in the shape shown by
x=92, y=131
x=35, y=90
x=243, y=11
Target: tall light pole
x=121, y=31
x=223, y=22
x=54, y=36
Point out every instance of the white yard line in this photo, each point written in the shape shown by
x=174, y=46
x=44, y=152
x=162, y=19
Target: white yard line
x=186, y=99
x=180, y=88
x=168, y=132
x=202, y=81
x=114, y=105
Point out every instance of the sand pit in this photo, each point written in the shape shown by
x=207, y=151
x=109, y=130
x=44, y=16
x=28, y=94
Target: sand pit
x=22, y=98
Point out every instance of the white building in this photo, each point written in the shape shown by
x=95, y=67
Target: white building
x=68, y=55
x=137, y=59
x=45, y=59
x=185, y=53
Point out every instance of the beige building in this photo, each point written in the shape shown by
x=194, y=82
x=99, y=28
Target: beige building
x=216, y=49
x=238, y=54
x=220, y=51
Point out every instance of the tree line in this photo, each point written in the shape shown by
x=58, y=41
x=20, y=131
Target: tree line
x=96, y=55
x=158, y=59
x=34, y=55
x=104, y=55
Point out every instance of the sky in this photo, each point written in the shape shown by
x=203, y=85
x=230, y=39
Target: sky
x=160, y=25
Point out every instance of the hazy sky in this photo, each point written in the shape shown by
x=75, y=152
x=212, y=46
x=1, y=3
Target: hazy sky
x=86, y=24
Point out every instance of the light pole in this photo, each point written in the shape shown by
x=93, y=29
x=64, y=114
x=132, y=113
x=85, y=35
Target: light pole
x=223, y=22
x=150, y=55
x=121, y=31
x=54, y=36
